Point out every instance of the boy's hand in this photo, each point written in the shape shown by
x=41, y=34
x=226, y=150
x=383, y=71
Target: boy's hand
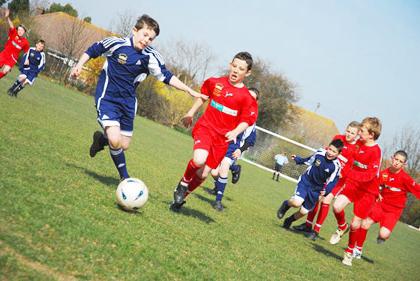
x=187, y=120
x=231, y=136
x=75, y=72
x=379, y=198
x=237, y=153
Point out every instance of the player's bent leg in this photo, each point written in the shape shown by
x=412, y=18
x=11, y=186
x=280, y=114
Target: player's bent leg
x=384, y=234
x=116, y=150
x=200, y=157
x=340, y=203
x=6, y=69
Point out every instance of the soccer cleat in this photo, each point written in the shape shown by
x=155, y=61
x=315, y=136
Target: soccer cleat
x=282, y=210
x=236, y=175
x=380, y=240
x=217, y=205
x=347, y=259
x=95, y=146
x=313, y=235
x=179, y=194
x=212, y=191
x=288, y=222
x=357, y=254
x=302, y=227
x=336, y=237
x=176, y=207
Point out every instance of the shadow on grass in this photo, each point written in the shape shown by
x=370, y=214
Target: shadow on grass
x=325, y=251
x=188, y=212
x=110, y=181
x=209, y=191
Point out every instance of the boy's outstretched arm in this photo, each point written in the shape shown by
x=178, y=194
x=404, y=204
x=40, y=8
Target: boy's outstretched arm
x=7, y=16
x=175, y=82
x=77, y=69
x=188, y=118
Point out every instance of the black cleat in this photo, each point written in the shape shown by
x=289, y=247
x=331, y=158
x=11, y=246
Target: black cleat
x=313, y=235
x=212, y=191
x=282, y=210
x=217, y=205
x=179, y=194
x=288, y=222
x=380, y=240
x=302, y=227
x=95, y=146
x=176, y=207
x=236, y=175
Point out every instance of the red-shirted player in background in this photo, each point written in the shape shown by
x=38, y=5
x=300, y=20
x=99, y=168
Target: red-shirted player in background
x=230, y=111
x=362, y=182
x=349, y=139
x=395, y=183
x=14, y=45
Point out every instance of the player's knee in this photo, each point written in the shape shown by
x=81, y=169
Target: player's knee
x=114, y=142
x=355, y=224
x=125, y=146
x=384, y=233
x=295, y=203
x=199, y=161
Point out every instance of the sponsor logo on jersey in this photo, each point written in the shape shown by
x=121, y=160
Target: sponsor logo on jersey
x=218, y=89
x=317, y=162
x=122, y=58
x=391, y=179
x=32, y=55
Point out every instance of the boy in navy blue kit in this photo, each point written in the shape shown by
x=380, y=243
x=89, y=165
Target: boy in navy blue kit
x=31, y=64
x=323, y=171
x=129, y=61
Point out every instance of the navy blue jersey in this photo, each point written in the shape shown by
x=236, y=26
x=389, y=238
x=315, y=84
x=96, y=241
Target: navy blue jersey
x=246, y=139
x=126, y=66
x=36, y=61
x=321, y=171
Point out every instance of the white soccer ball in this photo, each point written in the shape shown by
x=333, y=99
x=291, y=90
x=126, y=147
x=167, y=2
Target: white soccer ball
x=132, y=194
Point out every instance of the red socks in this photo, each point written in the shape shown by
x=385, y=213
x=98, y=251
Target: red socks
x=353, y=237
x=311, y=215
x=194, y=183
x=323, y=213
x=190, y=172
x=2, y=74
x=341, y=220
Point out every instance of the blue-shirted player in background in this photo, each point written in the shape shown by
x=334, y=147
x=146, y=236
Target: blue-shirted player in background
x=323, y=173
x=31, y=64
x=129, y=61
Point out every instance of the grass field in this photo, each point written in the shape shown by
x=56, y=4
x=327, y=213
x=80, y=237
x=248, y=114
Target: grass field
x=59, y=220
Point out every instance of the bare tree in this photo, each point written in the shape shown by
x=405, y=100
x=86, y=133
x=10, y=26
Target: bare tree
x=189, y=61
x=124, y=23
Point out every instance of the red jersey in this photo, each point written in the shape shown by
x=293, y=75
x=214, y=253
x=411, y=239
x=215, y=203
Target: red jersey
x=228, y=106
x=366, y=165
x=347, y=154
x=15, y=44
x=395, y=187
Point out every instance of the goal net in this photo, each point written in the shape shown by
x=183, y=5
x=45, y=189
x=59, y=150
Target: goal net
x=268, y=145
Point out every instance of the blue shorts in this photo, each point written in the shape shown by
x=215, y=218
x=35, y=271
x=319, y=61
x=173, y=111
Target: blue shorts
x=30, y=75
x=115, y=111
x=305, y=192
x=231, y=149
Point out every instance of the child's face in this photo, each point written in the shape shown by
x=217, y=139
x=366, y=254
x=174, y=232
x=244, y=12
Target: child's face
x=364, y=133
x=351, y=133
x=398, y=162
x=143, y=37
x=39, y=47
x=332, y=152
x=238, y=71
x=20, y=31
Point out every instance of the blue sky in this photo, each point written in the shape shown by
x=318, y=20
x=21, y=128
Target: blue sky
x=355, y=58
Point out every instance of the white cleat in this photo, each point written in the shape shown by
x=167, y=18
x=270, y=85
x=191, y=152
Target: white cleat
x=336, y=237
x=347, y=259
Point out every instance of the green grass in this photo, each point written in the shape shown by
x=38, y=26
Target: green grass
x=59, y=220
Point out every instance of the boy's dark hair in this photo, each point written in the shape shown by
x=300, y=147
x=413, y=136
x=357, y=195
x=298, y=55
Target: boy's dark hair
x=24, y=27
x=245, y=56
x=354, y=124
x=41, y=41
x=150, y=22
x=337, y=144
x=402, y=153
x=256, y=91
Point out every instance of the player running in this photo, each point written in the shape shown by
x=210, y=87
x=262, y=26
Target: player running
x=16, y=42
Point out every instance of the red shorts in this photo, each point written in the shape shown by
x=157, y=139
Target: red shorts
x=339, y=187
x=215, y=144
x=7, y=59
x=385, y=218
x=363, y=201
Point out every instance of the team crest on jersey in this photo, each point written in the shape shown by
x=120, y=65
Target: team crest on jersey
x=122, y=58
x=384, y=177
x=317, y=162
x=218, y=89
x=32, y=55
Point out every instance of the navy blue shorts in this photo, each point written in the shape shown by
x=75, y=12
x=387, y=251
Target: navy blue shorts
x=305, y=193
x=30, y=75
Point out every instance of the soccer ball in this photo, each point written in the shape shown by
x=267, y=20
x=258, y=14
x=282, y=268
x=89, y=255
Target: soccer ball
x=132, y=194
